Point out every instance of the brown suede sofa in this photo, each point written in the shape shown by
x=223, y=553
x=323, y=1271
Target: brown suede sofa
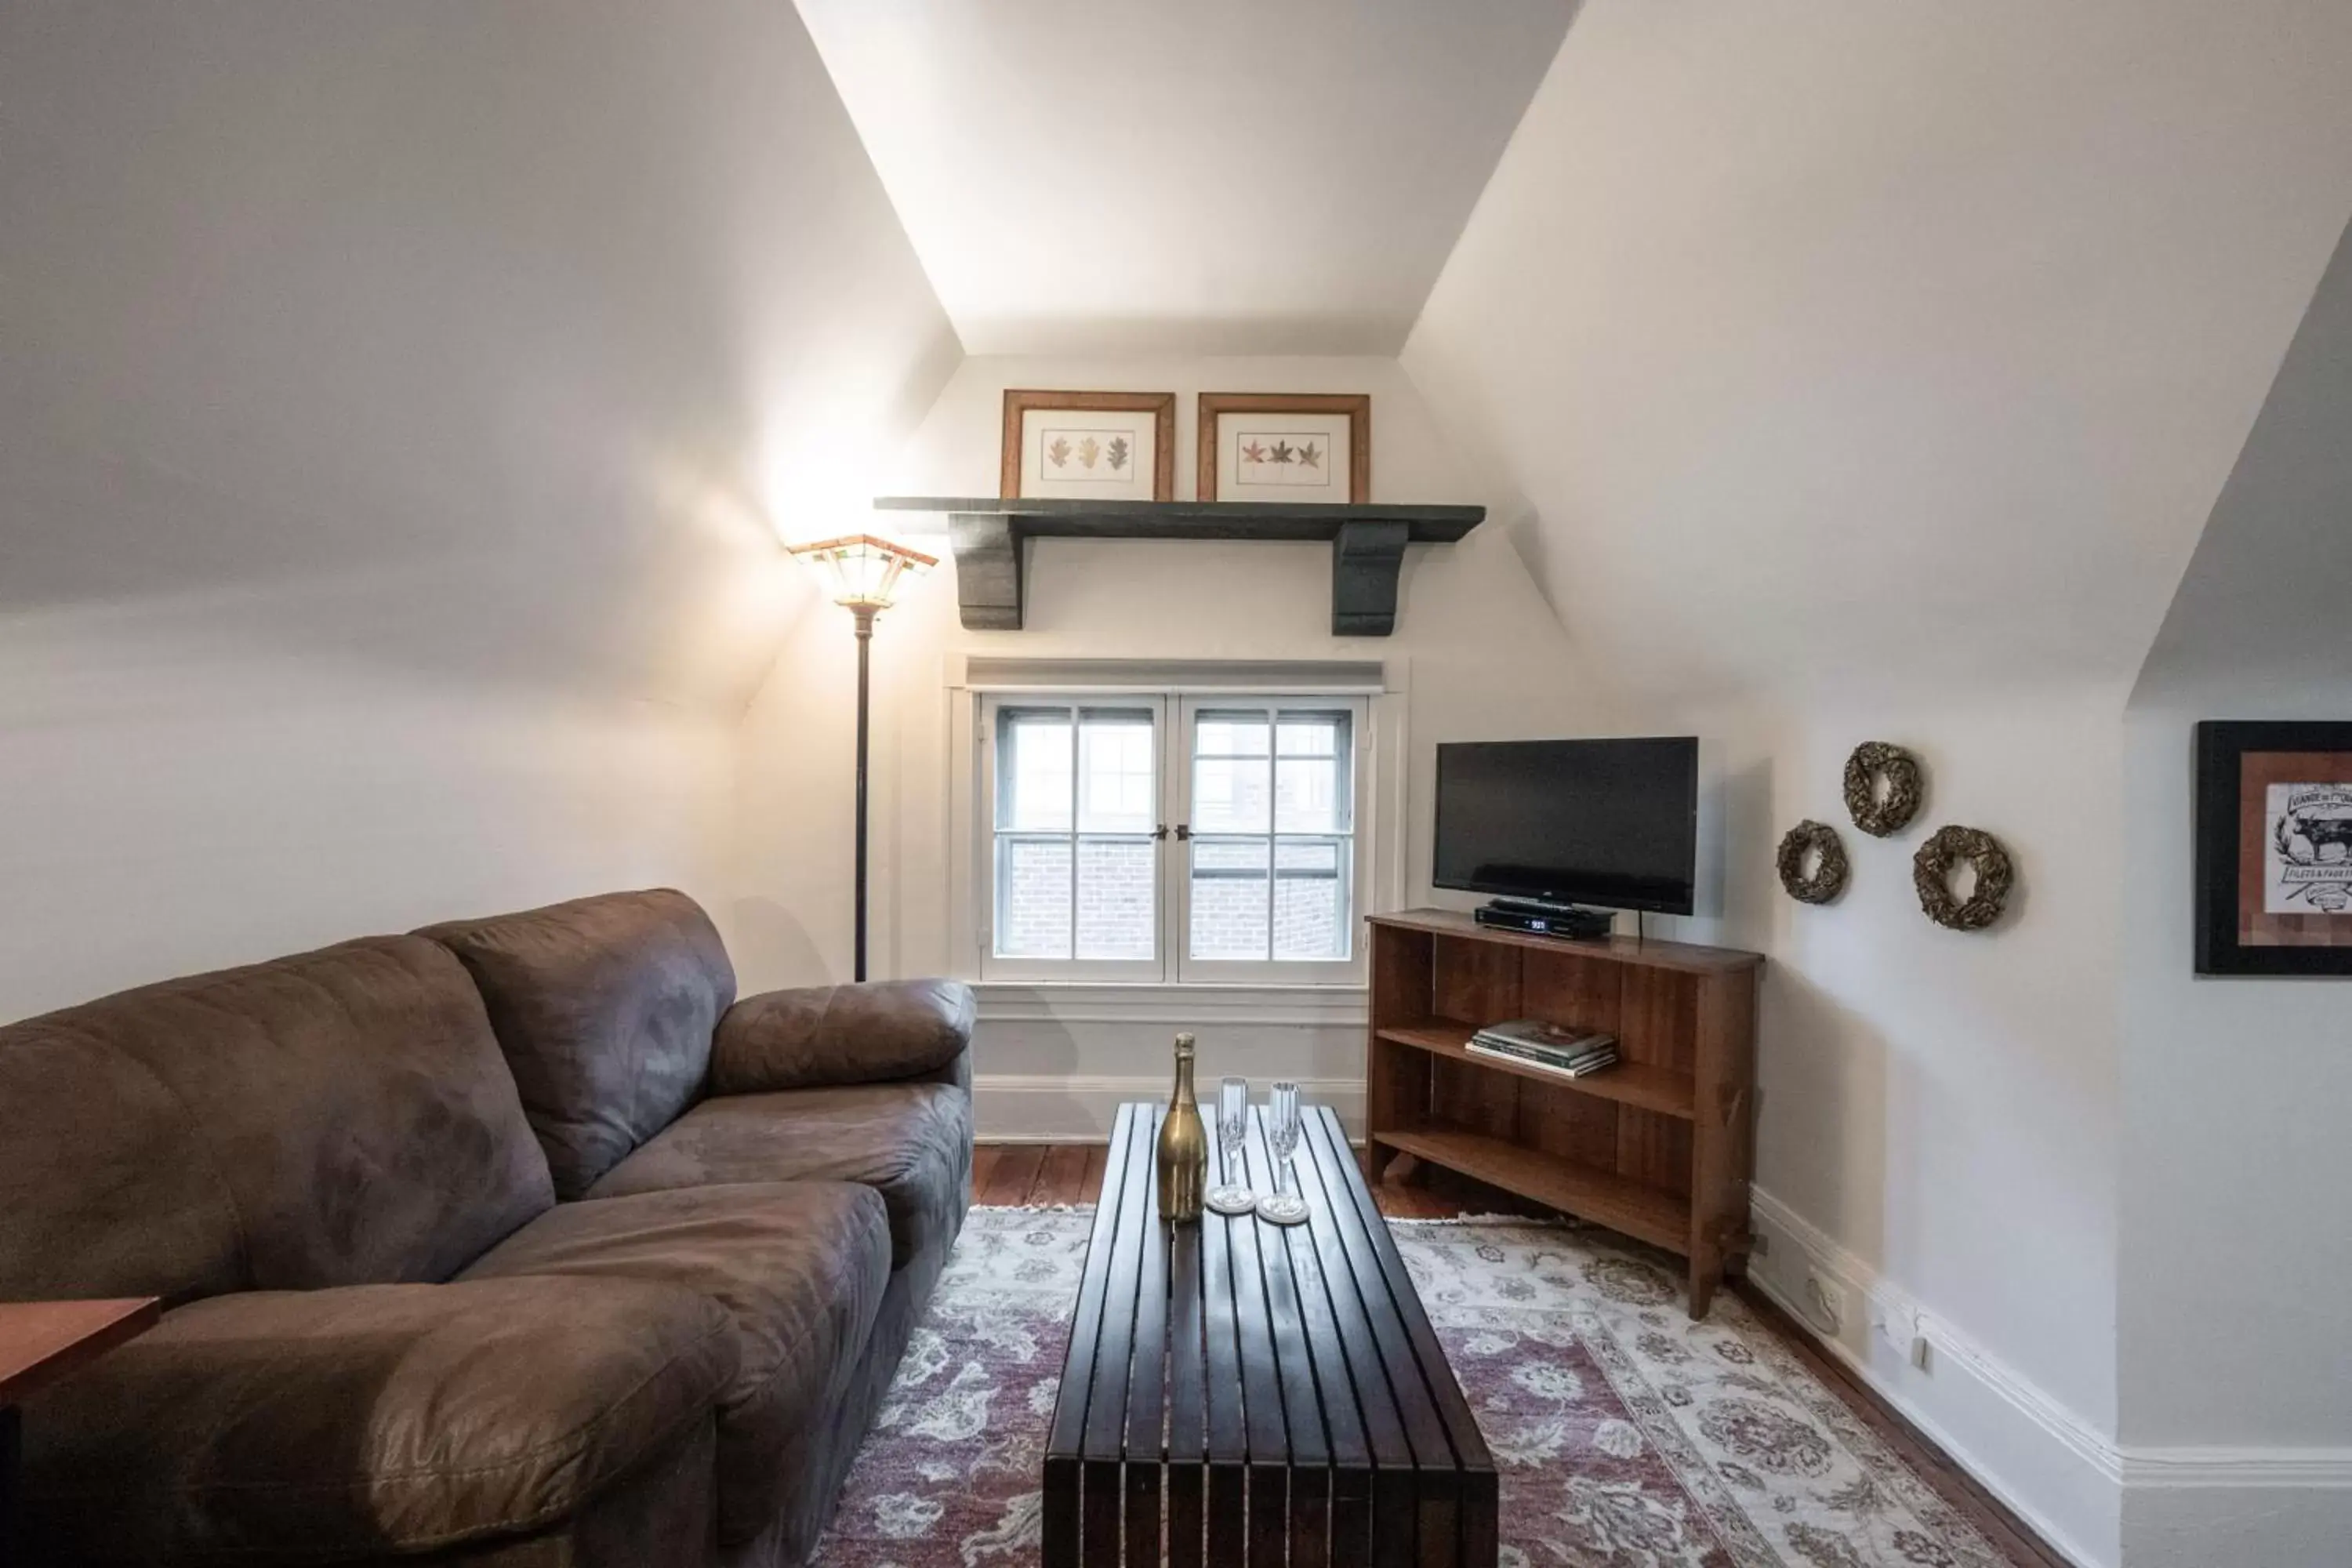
x=515, y=1241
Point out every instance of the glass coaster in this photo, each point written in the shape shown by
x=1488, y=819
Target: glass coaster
x=1281, y=1208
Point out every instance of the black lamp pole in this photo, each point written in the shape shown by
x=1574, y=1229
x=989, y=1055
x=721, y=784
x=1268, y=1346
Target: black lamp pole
x=863, y=570
x=864, y=614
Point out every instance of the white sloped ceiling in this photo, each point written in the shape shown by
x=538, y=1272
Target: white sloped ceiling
x=2261, y=606
x=1816, y=346
x=1221, y=176
x=492, y=340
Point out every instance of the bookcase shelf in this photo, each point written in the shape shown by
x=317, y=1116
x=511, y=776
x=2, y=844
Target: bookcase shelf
x=1657, y=1089
x=1603, y=1196
x=1661, y=1146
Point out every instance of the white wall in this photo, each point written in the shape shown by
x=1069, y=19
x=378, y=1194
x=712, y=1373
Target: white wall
x=2236, y=1260
x=1484, y=654
x=1937, y=1128
x=1869, y=372
x=393, y=399
x=184, y=803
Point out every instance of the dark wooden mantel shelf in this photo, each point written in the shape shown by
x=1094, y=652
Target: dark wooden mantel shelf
x=1367, y=544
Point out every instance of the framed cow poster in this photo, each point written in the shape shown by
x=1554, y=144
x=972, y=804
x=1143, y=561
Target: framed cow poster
x=2273, y=848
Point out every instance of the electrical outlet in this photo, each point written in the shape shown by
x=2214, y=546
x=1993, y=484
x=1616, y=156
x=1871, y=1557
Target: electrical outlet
x=1901, y=1330
x=1828, y=1301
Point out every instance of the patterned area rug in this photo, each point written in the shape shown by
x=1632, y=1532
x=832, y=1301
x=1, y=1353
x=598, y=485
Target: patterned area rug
x=1628, y=1436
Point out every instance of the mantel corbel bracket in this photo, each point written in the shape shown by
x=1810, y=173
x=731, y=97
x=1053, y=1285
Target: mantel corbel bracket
x=1365, y=560
x=988, y=549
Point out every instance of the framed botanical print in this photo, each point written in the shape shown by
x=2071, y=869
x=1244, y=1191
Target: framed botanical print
x=1089, y=445
x=2273, y=848
x=1285, y=447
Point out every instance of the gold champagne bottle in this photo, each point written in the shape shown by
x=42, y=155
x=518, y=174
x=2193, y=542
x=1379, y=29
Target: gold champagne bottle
x=1183, y=1155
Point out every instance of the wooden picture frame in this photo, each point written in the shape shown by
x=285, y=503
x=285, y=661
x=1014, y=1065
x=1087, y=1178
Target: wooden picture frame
x=2273, y=850
x=1021, y=401
x=1355, y=407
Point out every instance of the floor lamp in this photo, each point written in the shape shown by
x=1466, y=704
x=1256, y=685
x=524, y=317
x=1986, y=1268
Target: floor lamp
x=864, y=573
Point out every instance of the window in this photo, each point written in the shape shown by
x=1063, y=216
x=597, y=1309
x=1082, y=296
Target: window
x=1166, y=838
x=1077, y=800
x=1270, y=878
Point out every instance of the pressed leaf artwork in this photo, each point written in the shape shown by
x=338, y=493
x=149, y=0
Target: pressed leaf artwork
x=1295, y=460
x=1099, y=446
x=1103, y=460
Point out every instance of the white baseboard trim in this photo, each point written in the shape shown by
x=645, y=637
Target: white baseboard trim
x=2065, y=1479
x=2054, y=1470
x=2237, y=1469
x=1049, y=1107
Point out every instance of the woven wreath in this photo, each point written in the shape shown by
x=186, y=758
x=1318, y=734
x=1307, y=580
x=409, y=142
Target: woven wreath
x=1877, y=817
x=1828, y=879
x=1931, y=875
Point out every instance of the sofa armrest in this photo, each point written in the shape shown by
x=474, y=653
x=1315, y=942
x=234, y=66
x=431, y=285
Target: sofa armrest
x=821, y=1036
x=370, y=1420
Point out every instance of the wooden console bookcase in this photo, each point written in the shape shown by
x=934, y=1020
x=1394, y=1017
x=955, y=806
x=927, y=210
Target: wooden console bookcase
x=1661, y=1147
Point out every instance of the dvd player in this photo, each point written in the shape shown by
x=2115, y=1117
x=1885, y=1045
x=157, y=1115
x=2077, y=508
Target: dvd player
x=1545, y=919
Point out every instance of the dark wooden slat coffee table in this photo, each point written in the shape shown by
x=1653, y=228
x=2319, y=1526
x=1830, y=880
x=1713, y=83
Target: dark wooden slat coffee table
x=1242, y=1393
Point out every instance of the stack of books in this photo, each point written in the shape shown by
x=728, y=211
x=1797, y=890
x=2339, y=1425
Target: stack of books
x=1572, y=1053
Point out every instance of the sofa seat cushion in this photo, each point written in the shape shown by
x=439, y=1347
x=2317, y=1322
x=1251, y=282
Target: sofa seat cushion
x=281, y=1427
x=909, y=1142
x=800, y=1270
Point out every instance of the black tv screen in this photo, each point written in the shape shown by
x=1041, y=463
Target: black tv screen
x=1614, y=823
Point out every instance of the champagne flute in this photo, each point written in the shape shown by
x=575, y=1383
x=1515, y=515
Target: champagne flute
x=1282, y=1130
x=1232, y=1126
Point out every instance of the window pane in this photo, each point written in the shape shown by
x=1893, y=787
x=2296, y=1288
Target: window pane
x=1312, y=770
x=1306, y=797
x=1229, y=899
x=1231, y=795
x=1312, y=734
x=1032, y=898
x=1310, y=902
x=1033, y=770
x=1116, y=773
x=1230, y=733
x=1231, y=781
x=1117, y=898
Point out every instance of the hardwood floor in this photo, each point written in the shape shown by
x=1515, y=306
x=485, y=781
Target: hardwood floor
x=1045, y=1174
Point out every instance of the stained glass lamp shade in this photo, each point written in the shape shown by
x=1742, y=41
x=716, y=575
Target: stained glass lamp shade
x=863, y=571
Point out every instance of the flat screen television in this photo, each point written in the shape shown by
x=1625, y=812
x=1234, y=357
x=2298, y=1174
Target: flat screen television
x=1610, y=823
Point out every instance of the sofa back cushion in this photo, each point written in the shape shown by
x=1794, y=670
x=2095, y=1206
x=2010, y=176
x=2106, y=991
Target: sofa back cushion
x=605, y=1008
x=336, y=1118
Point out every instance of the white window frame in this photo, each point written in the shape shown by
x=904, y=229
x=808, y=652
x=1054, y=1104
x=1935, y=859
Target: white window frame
x=1191, y=971
x=995, y=967
x=1379, y=694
